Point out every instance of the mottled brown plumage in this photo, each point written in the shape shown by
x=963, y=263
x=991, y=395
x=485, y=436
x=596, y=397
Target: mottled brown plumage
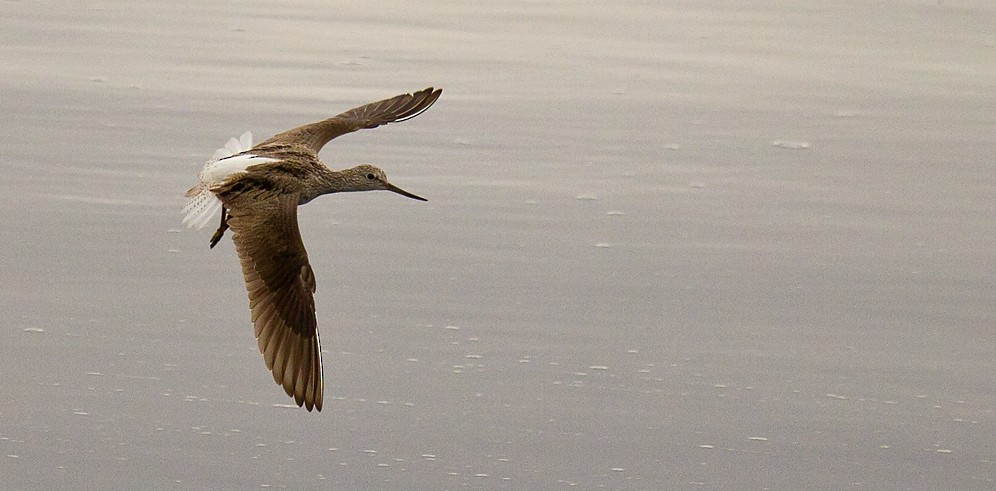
x=260, y=190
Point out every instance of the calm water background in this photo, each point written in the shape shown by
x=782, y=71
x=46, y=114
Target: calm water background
x=681, y=245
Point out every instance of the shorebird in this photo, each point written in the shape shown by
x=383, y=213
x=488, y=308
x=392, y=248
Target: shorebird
x=258, y=189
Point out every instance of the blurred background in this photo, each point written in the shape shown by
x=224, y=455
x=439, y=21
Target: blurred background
x=668, y=245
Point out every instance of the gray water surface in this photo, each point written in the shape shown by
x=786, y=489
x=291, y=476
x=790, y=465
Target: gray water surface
x=685, y=245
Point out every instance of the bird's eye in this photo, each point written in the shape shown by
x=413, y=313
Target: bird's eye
x=371, y=176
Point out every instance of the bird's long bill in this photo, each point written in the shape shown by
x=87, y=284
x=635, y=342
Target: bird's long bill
x=396, y=189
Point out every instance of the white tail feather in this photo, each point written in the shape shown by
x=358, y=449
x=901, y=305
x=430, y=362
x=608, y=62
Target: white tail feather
x=246, y=141
x=204, y=204
x=199, y=210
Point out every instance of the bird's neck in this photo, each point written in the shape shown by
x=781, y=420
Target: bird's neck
x=330, y=181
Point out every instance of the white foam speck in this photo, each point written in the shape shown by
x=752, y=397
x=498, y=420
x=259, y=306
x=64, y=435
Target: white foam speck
x=92, y=200
x=791, y=144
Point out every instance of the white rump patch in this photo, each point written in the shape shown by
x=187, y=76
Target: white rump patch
x=234, y=146
x=226, y=161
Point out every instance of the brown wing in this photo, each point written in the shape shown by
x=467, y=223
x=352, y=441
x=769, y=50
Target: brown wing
x=397, y=108
x=281, y=288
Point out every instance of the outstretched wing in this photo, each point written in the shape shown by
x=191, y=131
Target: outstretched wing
x=281, y=288
x=372, y=115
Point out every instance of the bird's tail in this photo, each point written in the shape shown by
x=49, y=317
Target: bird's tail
x=203, y=203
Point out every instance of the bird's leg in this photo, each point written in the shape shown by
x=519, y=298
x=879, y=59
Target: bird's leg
x=221, y=228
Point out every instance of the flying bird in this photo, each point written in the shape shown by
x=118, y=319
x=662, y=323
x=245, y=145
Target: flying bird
x=258, y=189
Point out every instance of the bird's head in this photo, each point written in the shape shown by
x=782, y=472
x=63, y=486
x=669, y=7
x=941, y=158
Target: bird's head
x=370, y=178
